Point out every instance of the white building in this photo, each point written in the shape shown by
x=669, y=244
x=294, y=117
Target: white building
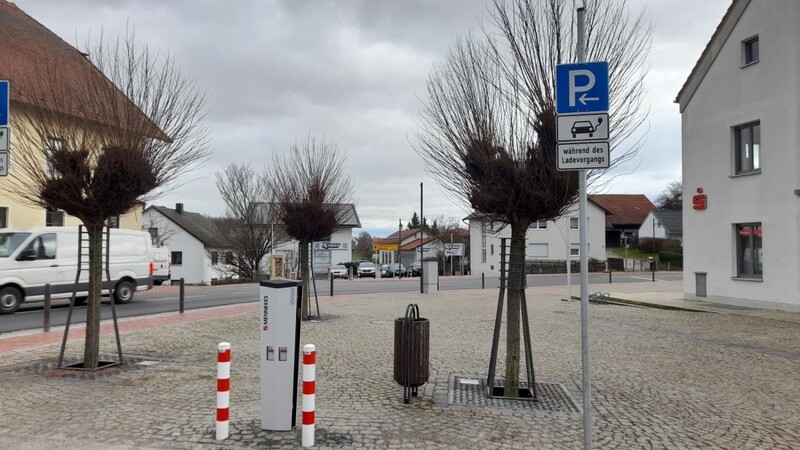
x=189, y=236
x=742, y=241
x=547, y=240
x=666, y=225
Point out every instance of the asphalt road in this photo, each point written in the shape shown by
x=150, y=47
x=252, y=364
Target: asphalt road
x=165, y=299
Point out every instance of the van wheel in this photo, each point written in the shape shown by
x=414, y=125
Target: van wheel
x=123, y=293
x=10, y=299
x=80, y=301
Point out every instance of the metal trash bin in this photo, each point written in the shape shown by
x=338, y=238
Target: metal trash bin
x=411, y=352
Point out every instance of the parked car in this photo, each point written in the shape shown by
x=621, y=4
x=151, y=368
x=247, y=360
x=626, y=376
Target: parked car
x=162, y=267
x=366, y=269
x=31, y=259
x=339, y=271
x=415, y=269
x=392, y=270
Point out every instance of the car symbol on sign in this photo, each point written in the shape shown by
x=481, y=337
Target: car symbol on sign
x=585, y=127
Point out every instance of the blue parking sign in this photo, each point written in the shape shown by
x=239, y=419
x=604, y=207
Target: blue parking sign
x=582, y=87
x=4, y=98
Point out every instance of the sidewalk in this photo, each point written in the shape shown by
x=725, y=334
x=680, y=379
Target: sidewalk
x=737, y=375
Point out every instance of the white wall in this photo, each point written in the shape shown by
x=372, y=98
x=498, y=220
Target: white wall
x=646, y=230
x=196, y=266
x=731, y=95
x=554, y=237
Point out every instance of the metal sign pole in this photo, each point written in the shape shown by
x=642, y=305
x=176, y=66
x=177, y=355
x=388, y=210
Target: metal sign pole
x=587, y=394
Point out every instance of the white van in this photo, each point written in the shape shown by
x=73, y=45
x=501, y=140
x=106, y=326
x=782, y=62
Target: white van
x=162, y=267
x=31, y=259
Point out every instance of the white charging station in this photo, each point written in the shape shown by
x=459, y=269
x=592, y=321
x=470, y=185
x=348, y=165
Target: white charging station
x=280, y=347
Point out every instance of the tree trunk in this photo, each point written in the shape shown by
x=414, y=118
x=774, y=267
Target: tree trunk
x=91, y=351
x=304, y=274
x=516, y=290
x=255, y=275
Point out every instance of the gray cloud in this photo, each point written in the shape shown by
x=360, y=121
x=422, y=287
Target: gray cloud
x=277, y=70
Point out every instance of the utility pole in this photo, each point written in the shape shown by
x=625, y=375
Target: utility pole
x=399, y=241
x=421, y=239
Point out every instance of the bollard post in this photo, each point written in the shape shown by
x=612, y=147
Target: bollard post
x=609, y=276
x=46, y=325
x=223, y=389
x=331, y=284
x=180, y=298
x=309, y=393
x=483, y=280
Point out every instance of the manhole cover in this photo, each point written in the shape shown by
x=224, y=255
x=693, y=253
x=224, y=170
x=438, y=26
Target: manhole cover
x=471, y=391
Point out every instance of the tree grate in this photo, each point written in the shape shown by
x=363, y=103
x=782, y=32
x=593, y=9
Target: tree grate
x=48, y=367
x=471, y=391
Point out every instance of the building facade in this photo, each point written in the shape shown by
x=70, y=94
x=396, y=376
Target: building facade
x=742, y=227
x=546, y=239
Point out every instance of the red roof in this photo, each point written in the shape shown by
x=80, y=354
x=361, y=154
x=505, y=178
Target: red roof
x=416, y=243
x=624, y=209
x=403, y=234
x=30, y=50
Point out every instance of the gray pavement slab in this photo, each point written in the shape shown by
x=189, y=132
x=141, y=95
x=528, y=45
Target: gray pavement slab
x=661, y=379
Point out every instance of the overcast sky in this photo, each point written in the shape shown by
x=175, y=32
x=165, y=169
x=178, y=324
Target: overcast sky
x=355, y=71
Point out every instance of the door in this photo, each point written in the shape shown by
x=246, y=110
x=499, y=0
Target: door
x=39, y=265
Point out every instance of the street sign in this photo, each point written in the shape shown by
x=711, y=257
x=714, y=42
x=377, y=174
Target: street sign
x=4, y=139
x=583, y=155
x=582, y=88
x=4, y=100
x=3, y=164
x=453, y=249
x=583, y=127
x=384, y=247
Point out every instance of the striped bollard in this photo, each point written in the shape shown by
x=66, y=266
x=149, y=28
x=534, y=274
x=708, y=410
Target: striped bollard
x=223, y=389
x=309, y=392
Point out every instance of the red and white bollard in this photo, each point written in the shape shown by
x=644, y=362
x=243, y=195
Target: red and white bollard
x=309, y=392
x=223, y=389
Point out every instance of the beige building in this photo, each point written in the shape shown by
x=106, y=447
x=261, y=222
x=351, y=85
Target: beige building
x=26, y=44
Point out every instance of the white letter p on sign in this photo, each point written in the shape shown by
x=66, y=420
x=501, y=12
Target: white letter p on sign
x=573, y=89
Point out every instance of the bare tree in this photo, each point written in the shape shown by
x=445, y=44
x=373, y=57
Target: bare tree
x=672, y=197
x=246, y=230
x=160, y=230
x=309, y=190
x=488, y=129
x=107, y=132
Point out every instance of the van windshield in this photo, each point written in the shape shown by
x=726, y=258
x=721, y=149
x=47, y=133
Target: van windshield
x=10, y=241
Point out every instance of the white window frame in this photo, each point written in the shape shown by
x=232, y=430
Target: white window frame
x=577, y=223
x=50, y=144
x=538, y=225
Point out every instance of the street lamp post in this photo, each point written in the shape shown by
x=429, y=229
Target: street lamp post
x=399, y=240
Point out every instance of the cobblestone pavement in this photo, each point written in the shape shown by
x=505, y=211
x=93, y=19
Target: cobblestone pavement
x=661, y=379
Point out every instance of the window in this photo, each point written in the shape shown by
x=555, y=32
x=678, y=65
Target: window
x=750, y=50
x=483, y=255
x=3, y=217
x=54, y=218
x=492, y=249
x=214, y=258
x=43, y=247
x=537, y=251
x=177, y=258
x=573, y=223
x=51, y=146
x=538, y=225
x=748, y=148
x=228, y=257
x=575, y=250
x=748, y=250
x=113, y=222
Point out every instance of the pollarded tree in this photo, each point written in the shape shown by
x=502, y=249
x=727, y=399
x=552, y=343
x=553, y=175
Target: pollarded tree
x=116, y=127
x=488, y=129
x=309, y=191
